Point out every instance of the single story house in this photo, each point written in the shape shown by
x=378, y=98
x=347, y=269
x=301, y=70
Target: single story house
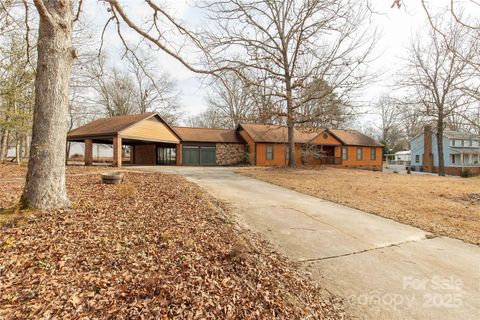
x=266, y=145
x=460, y=151
x=154, y=142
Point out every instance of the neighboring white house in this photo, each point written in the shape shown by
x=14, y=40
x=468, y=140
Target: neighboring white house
x=403, y=156
x=400, y=158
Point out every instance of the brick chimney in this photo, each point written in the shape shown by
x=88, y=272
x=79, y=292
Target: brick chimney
x=427, y=149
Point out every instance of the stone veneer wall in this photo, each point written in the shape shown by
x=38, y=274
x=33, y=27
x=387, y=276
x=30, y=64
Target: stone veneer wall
x=229, y=154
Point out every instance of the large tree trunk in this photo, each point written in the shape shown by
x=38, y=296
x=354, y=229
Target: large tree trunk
x=45, y=184
x=441, y=162
x=290, y=124
x=291, y=144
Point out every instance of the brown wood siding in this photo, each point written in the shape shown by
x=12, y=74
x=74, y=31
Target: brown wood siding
x=150, y=129
x=279, y=153
x=366, y=161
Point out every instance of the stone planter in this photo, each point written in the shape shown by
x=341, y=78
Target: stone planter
x=112, y=177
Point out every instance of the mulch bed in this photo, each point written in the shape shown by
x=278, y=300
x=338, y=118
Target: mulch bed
x=153, y=247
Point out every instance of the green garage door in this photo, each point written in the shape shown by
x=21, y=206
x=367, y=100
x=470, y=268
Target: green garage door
x=195, y=155
x=190, y=155
x=207, y=156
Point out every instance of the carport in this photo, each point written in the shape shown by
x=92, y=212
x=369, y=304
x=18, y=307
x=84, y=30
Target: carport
x=152, y=140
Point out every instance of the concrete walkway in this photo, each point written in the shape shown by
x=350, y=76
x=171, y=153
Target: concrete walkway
x=385, y=269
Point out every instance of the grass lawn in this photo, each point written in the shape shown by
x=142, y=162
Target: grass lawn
x=153, y=247
x=447, y=206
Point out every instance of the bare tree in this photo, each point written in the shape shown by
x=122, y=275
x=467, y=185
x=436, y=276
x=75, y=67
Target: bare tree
x=210, y=118
x=44, y=187
x=16, y=81
x=327, y=110
x=139, y=87
x=80, y=110
x=155, y=89
x=438, y=78
x=412, y=120
x=230, y=99
x=390, y=131
x=458, y=12
x=282, y=47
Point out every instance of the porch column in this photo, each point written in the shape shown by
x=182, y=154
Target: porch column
x=179, y=154
x=117, y=151
x=337, y=153
x=132, y=154
x=88, y=156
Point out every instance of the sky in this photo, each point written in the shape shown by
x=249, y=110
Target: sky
x=397, y=26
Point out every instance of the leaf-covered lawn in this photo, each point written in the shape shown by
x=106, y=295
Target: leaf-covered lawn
x=448, y=206
x=152, y=247
x=10, y=170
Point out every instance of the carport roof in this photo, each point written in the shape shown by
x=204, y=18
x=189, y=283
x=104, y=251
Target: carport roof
x=111, y=126
x=207, y=135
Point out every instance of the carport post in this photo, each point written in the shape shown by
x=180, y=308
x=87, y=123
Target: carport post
x=179, y=155
x=132, y=154
x=117, y=151
x=88, y=156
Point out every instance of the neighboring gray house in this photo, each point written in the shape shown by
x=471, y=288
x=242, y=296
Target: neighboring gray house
x=460, y=151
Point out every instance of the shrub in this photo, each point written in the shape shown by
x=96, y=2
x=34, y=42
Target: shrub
x=467, y=173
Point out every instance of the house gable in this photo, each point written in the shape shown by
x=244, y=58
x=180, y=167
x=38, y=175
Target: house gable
x=152, y=129
x=326, y=138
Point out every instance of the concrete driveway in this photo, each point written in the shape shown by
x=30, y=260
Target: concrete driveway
x=385, y=269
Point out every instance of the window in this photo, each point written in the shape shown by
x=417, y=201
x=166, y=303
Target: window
x=463, y=143
x=455, y=159
x=344, y=153
x=475, y=159
x=373, y=153
x=359, y=153
x=269, y=151
x=417, y=158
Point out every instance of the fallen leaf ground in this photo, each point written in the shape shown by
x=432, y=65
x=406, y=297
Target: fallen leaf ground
x=153, y=247
x=13, y=171
x=448, y=206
